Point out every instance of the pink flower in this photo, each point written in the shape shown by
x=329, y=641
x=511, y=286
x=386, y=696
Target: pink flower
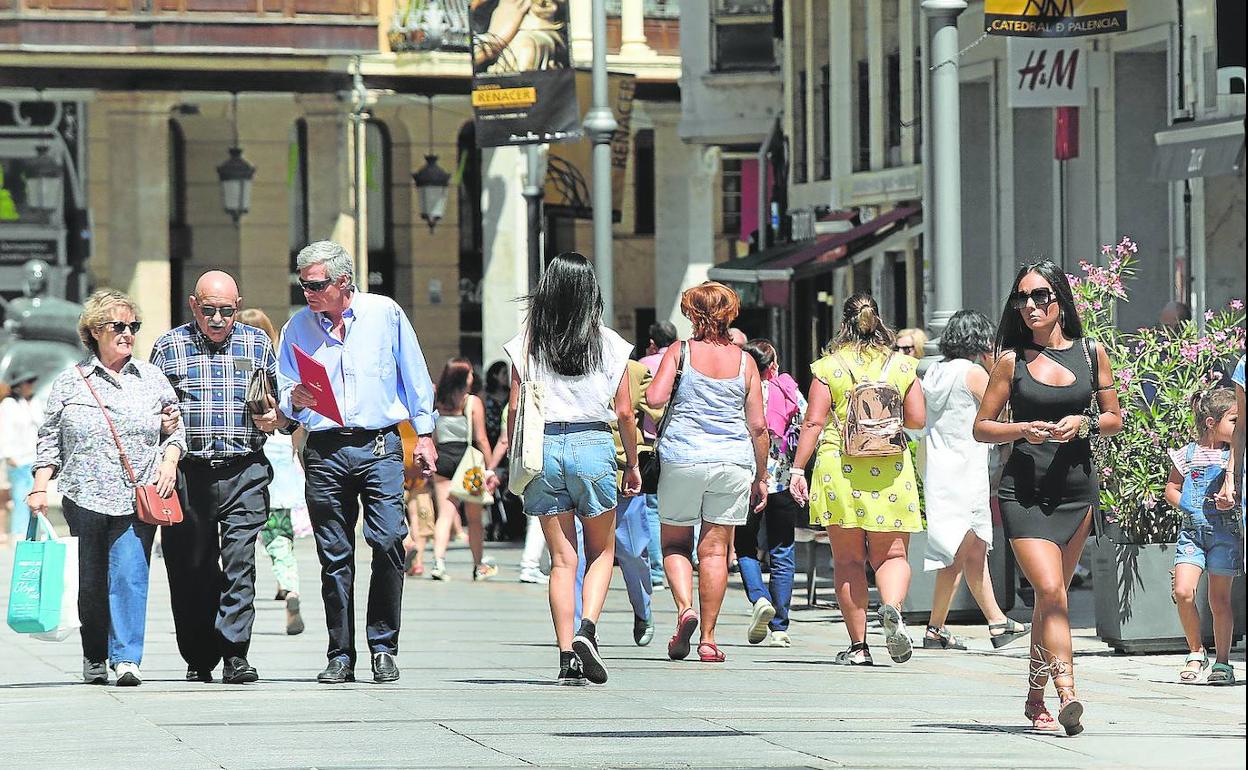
x=1107, y=248
x=1237, y=304
x=1150, y=503
x=1209, y=315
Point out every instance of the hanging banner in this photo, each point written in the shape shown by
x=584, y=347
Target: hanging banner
x=1047, y=73
x=1054, y=18
x=523, y=85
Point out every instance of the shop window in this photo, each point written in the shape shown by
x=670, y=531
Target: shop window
x=730, y=197
x=742, y=35
x=471, y=245
x=380, y=213
x=297, y=196
x=800, y=138
x=179, y=230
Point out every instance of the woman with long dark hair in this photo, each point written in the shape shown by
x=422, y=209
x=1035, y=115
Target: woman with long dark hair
x=461, y=422
x=580, y=364
x=869, y=504
x=1050, y=376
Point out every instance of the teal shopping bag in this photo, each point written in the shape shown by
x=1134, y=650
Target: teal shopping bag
x=38, y=583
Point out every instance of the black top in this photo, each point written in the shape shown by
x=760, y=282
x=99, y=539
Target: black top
x=1047, y=489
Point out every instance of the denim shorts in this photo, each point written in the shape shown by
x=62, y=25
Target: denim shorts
x=1216, y=546
x=578, y=472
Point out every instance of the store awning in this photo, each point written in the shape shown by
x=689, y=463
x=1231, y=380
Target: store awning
x=1204, y=148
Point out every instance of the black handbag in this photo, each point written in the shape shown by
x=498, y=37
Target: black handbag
x=648, y=461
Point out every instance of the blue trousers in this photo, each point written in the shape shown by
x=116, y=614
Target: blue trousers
x=113, y=570
x=776, y=522
x=632, y=538
x=343, y=471
x=655, y=548
x=21, y=481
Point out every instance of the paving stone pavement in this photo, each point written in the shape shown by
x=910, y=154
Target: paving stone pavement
x=476, y=692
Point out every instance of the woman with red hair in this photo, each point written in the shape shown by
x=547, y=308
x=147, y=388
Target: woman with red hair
x=714, y=455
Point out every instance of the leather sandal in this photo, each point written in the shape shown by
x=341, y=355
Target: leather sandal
x=1188, y=675
x=709, y=652
x=1035, y=710
x=939, y=638
x=1069, y=716
x=678, y=645
x=1011, y=630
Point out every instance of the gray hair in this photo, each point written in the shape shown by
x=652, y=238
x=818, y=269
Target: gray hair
x=335, y=258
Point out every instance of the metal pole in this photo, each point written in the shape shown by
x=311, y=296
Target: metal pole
x=600, y=125
x=533, y=192
x=359, y=116
x=945, y=203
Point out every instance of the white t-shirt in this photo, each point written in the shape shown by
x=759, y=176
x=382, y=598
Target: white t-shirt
x=577, y=399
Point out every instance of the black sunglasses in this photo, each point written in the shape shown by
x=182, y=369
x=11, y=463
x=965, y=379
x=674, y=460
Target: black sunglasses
x=904, y=348
x=315, y=286
x=120, y=327
x=1041, y=298
x=209, y=311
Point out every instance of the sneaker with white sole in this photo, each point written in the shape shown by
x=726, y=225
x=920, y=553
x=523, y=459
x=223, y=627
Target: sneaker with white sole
x=94, y=672
x=896, y=639
x=532, y=575
x=439, y=570
x=128, y=675
x=592, y=664
x=780, y=639
x=764, y=611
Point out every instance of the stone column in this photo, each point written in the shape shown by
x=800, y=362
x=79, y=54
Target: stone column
x=504, y=226
x=633, y=30
x=330, y=145
x=684, y=221
x=138, y=206
x=580, y=30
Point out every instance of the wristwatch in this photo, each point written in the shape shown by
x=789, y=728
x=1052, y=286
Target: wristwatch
x=1085, y=426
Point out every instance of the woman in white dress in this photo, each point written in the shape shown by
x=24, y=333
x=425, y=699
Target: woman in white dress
x=955, y=482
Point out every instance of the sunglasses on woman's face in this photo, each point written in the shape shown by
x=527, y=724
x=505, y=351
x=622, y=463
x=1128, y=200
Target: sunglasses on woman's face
x=904, y=348
x=1040, y=297
x=119, y=327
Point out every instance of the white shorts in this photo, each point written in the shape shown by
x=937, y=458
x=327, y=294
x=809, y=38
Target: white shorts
x=718, y=493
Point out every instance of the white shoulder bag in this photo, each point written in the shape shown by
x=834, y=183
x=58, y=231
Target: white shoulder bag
x=524, y=455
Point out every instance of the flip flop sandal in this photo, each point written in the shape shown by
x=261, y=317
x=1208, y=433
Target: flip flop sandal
x=1011, y=631
x=1190, y=675
x=708, y=652
x=678, y=646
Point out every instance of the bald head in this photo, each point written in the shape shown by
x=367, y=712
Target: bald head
x=216, y=284
x=214, y=303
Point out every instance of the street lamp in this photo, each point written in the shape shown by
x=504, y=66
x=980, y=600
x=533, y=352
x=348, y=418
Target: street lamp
x=235, y=176
x=45, y=182
x=432, y=182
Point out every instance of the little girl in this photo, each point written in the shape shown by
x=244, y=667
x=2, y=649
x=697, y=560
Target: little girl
x=1210, y=539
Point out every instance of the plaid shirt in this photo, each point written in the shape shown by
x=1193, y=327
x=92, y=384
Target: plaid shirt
x=211, y=383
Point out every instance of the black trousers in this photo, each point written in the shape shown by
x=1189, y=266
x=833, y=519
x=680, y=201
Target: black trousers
x=211, y=557
x=341, y=472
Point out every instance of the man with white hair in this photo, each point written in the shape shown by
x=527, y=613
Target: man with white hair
x=379, y=379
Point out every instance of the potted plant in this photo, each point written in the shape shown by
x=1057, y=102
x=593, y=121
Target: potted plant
x=1157, y=371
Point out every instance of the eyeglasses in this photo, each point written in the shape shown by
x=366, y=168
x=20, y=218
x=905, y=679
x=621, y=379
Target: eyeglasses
x=209, y=311
x=904, y=348
x=119, y=327
x=315, y=286
x=1041, y=298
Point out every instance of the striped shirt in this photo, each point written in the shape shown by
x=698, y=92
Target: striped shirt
x=1203, y=457
x=211, y=383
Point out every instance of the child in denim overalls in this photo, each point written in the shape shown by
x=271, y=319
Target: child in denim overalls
x=1210, y=539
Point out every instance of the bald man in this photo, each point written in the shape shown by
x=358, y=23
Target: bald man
x=223, y=480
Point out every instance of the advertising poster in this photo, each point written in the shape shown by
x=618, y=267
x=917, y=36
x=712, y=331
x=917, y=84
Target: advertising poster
x=1054, y=18
x=523, y=85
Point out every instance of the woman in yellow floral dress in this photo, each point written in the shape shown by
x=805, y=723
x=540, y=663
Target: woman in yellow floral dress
x=869, y=505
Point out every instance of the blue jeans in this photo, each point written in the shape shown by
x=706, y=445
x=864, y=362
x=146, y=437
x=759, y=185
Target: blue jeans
x=779, y=520
x=21, y=480
x=113, y=561
x=655, y=548
x=343, y=471
x=632, y=537
x=578, y=471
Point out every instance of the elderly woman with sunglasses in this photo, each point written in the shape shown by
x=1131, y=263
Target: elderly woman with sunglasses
x=77, y=447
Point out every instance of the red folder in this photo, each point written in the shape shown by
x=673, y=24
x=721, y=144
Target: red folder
x=313, y=376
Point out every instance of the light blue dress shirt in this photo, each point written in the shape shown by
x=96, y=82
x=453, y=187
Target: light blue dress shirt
x=377, y=370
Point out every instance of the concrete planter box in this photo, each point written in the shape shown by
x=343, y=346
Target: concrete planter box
x=963, y=610
x=1134, y=611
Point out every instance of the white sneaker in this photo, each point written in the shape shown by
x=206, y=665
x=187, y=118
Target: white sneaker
x=780, y=639
x=439, y=570
x=531, y=575
x=900, y=647
x=763, y=613
x=128, y=675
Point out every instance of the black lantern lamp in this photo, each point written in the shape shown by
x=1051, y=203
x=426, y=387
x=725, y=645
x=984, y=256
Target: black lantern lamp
x=432, y=182
x=235, y=176
x=45, y=182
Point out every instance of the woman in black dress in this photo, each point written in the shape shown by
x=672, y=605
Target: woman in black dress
x=1048, y=375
